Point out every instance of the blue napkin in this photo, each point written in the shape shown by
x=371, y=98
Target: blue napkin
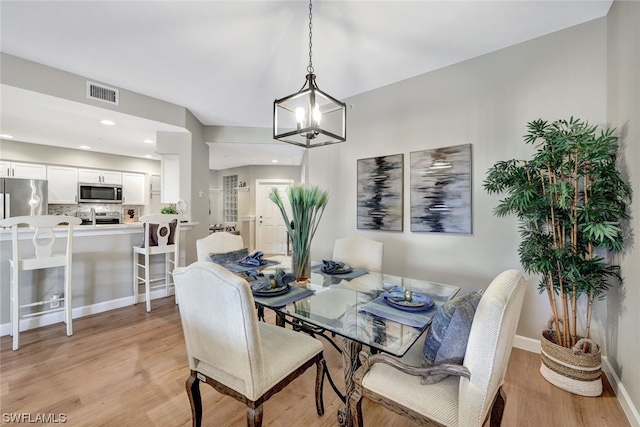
x=334, y=267
x=254, y=259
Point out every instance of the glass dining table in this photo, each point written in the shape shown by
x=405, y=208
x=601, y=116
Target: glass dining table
x=357, y=308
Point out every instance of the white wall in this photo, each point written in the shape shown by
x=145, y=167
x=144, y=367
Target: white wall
x=620, y=315
x=487, y=102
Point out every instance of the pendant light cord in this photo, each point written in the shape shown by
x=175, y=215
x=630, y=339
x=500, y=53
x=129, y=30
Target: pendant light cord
x=310, y=67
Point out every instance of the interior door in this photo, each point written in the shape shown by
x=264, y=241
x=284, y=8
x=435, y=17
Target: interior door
x=271, y=233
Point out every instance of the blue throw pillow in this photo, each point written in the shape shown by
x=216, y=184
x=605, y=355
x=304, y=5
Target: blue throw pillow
x=447, y=337
x=229, y=256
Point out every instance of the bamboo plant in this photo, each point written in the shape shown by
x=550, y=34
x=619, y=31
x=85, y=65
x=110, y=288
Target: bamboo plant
x=570, y=201
x=307, y=206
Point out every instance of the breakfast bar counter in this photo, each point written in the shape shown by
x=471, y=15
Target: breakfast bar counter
x=102, y=270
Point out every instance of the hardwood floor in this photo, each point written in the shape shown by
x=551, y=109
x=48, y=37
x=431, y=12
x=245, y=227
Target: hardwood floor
x=127, y=367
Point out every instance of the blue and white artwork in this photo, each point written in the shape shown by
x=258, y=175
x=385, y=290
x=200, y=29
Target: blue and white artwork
x=380, y=193
x=441, y=190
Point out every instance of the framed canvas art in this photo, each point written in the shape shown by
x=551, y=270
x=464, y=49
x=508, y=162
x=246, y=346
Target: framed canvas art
x=380, y=185
x=441, y=190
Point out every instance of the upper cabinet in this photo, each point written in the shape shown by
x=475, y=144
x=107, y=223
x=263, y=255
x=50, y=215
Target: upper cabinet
x=63, y=185
x=95, y=176
x=22, y=170
x=133, y=188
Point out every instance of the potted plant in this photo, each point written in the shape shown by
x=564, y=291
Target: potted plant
x=307, y=206
x=171, y=209
x=570, y=201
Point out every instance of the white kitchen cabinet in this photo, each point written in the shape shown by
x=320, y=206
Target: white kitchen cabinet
x=22, y=170
x=63, y=185
x=133, y=187
x=5, y=168
x=170, y=178
x=96, y=176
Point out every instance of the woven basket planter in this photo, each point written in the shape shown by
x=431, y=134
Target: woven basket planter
x=570, y=368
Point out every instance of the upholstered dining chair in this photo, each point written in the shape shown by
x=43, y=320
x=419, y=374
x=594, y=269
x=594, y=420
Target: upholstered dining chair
x=473, y=392
x=218, y=243
x=230, y=350
x=359, y=252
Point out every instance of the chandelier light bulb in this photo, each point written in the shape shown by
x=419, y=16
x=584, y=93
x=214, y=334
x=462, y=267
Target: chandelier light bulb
x=300, y=114
x=317, y=115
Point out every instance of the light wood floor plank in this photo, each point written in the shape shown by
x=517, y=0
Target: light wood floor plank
x=127, y=367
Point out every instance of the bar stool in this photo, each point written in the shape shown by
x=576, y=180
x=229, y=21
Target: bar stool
x=161, y=236
x=43, y=240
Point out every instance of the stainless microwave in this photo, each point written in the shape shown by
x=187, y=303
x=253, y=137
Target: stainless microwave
x=99, y=193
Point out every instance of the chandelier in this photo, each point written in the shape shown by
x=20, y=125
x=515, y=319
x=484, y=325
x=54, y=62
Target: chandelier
x=309, y=118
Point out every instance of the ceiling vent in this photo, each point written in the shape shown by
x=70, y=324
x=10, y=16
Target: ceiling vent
x=102, y=93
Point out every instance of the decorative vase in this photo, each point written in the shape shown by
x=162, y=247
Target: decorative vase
x=571, y=369
x=301, y=266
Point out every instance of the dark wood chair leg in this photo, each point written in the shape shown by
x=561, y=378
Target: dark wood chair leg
x=193, y=391
x=321, y=367
x=254, y=416
x=497, y=409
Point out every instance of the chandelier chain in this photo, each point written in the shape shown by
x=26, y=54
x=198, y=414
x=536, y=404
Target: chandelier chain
x=310, y=67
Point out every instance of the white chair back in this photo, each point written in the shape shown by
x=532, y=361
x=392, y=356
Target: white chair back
x=489, y=346
x=157, y=230
x=40, y=256
x=359, y=252
x=220, y=326
x=218, y=243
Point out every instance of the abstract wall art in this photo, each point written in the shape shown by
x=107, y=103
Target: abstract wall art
x=380, y=184
x=441, y=190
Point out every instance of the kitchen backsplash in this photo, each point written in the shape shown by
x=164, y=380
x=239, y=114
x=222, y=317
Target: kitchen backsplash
x=129, y=213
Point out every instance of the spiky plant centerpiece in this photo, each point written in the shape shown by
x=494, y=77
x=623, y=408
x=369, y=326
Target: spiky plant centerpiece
x=307, y=206
x=570, y=199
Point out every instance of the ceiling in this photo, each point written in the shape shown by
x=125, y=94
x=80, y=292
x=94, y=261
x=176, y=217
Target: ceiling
x=226, y=61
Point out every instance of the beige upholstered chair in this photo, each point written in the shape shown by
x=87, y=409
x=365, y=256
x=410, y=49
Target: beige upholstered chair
x=473, y=392
x=161, y=237
x=230, y=350
x=359, y=252
x=218, y=243
x=41, y=256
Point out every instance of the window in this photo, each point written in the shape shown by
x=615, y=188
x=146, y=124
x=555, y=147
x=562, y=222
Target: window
x=230, y=194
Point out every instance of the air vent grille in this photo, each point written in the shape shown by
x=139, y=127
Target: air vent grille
x=102, y=93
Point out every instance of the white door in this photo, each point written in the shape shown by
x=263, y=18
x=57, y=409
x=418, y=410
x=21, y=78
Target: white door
x=271, y=233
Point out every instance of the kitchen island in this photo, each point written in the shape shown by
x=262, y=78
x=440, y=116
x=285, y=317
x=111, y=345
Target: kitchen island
x=102, y=272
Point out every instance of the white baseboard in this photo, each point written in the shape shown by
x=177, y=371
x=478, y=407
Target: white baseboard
x=527, y=344
x=629, y=409
x=623, y=397
x=87, y=310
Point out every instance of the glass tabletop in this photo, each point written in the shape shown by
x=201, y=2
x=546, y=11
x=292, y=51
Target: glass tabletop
x=354, y=308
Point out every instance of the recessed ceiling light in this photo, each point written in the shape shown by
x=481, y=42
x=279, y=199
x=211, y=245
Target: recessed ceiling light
x=274, y=161
x=6, y=136
x=148, y=141
x=107, y=122
x=85, y=147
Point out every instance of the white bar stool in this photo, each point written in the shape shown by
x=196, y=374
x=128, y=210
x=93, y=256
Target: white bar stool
x=43, y=240
x=161, y=236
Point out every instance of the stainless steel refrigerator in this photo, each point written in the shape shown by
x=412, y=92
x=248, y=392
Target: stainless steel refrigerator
x=23, y=197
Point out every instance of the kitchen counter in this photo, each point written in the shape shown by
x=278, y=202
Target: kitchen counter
x=88, y=230
x=102, y=269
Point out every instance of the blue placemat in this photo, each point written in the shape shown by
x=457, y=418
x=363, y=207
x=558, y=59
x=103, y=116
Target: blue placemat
x=416, y=319
x=356, y=272
x=234, y=267
x=293, y=295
